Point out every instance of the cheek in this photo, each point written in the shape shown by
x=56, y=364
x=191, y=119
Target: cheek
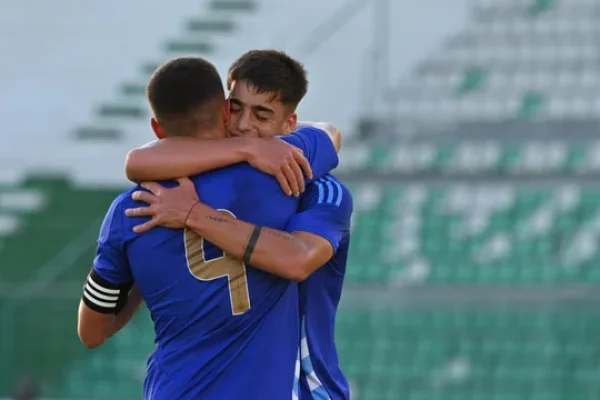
x=234, y=124
x=269, y=129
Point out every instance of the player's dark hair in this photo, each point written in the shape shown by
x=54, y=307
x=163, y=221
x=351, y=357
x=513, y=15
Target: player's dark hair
x=185, y=95
x=271, y=71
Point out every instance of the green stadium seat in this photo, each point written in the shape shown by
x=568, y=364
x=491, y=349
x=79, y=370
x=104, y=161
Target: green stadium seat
x=538, y=7
x=117, y=369
x=472, y=157
x=531, y=105
x=473, y=79
x=458, y=353
x=476, y=234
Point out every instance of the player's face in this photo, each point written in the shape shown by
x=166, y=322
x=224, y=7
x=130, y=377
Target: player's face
x=257, y=114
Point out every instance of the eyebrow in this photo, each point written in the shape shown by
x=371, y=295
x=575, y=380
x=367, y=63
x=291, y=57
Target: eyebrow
x=257, y=108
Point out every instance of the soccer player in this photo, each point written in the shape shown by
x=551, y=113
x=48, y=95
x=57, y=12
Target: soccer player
x=223, y=331
x=266, y=86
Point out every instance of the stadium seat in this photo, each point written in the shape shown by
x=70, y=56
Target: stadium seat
x=514, y=59
x=117, y=369
x=479, y=156
x=474, y=234
x=456, y=353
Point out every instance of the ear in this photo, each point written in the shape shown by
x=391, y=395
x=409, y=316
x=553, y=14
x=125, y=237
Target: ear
x=158, y=131
x=291, y=122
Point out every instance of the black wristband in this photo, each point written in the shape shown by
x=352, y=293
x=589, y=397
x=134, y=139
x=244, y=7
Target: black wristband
x=251, y=243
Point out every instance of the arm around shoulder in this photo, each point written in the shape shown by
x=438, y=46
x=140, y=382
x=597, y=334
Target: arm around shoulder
x=175, y=157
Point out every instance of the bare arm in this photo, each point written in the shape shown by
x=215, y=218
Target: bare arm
x=94, y=327
x=183, y=156
x=173, y=158
x=288, y=255
x=134, y=301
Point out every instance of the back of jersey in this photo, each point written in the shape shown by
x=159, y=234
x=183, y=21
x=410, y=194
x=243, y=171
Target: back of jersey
x=214, y=317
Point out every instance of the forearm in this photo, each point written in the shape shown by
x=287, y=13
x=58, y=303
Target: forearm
x=275, y=251
x=183, y=156
x=94, y=328
x=134, y=301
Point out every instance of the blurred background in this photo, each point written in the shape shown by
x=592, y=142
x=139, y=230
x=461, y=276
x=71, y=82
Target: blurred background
x=471, y=148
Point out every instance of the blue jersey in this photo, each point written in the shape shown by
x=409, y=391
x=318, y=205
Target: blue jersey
x=223, y=330
x=325, y=210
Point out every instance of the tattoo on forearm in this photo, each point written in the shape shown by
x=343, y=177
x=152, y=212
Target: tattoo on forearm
x=251, y=243
x=282, y=235
x=218, y=219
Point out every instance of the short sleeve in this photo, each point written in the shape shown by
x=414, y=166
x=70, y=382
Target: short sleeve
x=108, y=284
x=317, y=147
x=325, y=211
x=111, y=261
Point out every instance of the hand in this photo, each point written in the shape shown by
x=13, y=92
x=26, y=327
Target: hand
x=282, y=160
x=168, y=207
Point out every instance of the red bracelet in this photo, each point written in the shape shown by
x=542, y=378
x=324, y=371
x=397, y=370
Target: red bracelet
x=190, y=211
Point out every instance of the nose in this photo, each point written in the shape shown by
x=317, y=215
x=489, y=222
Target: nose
x=244, y=123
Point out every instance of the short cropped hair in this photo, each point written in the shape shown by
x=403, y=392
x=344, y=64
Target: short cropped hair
x=271, y=71
x=185, y=95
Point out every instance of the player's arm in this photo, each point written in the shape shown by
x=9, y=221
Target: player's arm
x=313, y=237
x=289, y=255
x=108, y=301
x=175, y=157
x=171, y=158
x=97, y=322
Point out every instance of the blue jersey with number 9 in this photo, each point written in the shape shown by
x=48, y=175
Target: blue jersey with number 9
x=224, y=330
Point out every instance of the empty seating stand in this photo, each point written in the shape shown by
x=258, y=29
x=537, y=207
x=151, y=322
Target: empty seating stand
x=524, y=59
x=475, y=234
x=478, y=156
x=455, y=354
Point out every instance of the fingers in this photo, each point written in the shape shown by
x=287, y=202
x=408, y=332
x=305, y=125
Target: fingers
x=139, y=212
x=152, y=186
x=299, y=176
x=140, y=195
x=283, y=182
x=304, y=164
x=185, y=182
x=146, y=226
x=143, y=212
x=290, y=176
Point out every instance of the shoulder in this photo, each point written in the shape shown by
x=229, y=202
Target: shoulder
x=238, y=177
x=305, y=137
x=113, y=220
x=306, y=131
x=329, y=191
x=236, y=171
x=236, y=183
